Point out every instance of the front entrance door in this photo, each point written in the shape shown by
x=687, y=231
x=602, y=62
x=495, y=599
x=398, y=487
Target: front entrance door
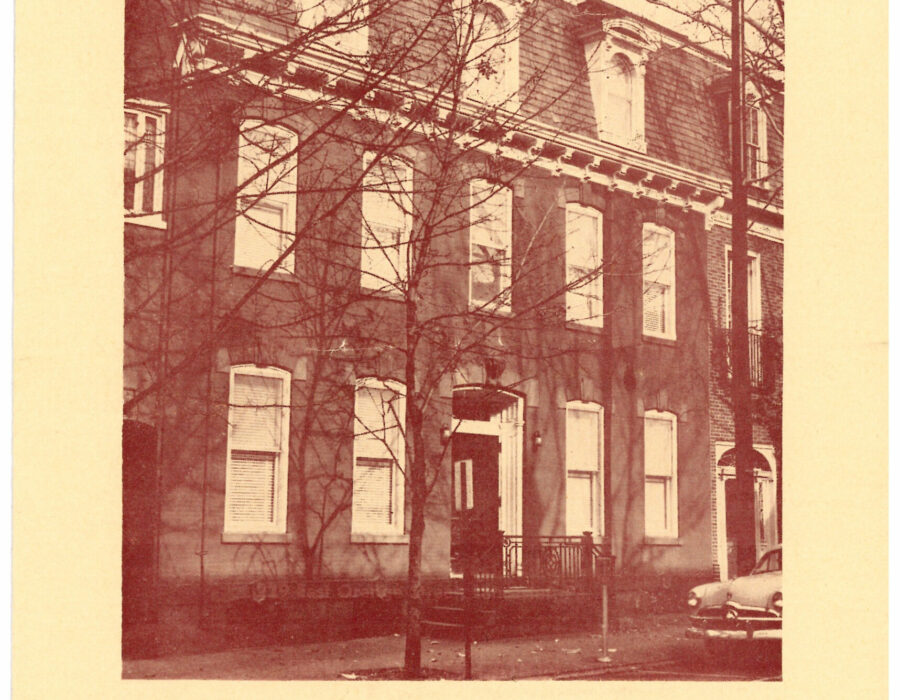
x=475, y=491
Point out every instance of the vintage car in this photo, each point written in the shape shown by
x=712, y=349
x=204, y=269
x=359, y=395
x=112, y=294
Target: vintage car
x=749, y=607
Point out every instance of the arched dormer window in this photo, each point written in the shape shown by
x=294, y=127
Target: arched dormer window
x=616, y=57
x=489, y=41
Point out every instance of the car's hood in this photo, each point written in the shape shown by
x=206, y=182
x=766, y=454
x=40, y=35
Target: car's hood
x=754, y=591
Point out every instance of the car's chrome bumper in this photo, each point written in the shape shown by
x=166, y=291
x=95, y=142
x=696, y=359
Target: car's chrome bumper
x=741, y=634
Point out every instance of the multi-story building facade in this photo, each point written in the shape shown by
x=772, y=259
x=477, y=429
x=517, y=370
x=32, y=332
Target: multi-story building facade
x=490, y=241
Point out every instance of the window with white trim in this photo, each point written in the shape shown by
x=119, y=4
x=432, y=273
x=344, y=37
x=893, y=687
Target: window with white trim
x=266, y=221
x=660, y=474
x=379, y=448
x=754, y=293
x=616, y=60
x=754, y=311
x=756, y=147
x=584, y=468
x=490, y=246
x=659, y=281
x=584, y=253
x=144, y=148
x=488, y=36
x=386, y=223
x=258, y=430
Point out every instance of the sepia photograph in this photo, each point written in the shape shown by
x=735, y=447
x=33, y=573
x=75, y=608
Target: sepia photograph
x=453, y=340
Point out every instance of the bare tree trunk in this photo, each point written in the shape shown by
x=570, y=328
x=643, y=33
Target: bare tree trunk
x=418, y=486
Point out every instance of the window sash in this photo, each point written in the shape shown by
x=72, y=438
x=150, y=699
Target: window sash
x=490, y=245
x=144, y=146
x=582, y=503
x=378, y=460
x=267, y=174
x=660, y=474
x=754, y=290
x=659, y=282
x=584, y=280
x=486, y=72
x=386, y=225
x=256, y=473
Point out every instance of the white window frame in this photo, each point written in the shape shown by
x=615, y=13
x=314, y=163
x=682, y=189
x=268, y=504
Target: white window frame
x=507, y=89
x=396, y=283
x=253, y=193
x=754, y=289
x=621, y=37
x=368, y=531
x=591, y=286
x=141, y=110
x=753, y=111
x=311, y=14
x=670, y=483
x=594, y=471
x=278, y=525
x=503, y=302
x=665, y=277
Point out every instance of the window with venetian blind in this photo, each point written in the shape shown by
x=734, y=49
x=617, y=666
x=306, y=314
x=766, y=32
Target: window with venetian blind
x=660, y=474
x=378, y=458
x=659, y=281
x=144, y=146
x=490, y=246
x=386, y=225
x=584, y=251
x=258, y=429
x=584, y=468
x=266, y=221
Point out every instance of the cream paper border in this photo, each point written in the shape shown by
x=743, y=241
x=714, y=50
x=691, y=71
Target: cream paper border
x=68, y=345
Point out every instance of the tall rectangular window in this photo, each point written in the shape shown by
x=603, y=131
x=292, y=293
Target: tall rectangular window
x=267, y=205
x=378, y=458
x=659, y=281
x=386, y=225
x=754, y=311
x=584, y=468
x=584, y=252
x=258, y=429
x=144, y=146
x=660, y=474
x=490, y=246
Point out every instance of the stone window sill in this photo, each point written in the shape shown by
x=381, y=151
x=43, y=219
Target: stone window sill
x=360, y=538
x=256, y=538
x=663, y=541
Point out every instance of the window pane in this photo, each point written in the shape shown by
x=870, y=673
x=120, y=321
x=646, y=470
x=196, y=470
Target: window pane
x=373, y=491
x=251, y=488
x=658, y=447
x=655, y=301
x=486, y=273
x=580, y=505
x=655, y=507
x=618, y=97
x=256, y=413
x=131, y=144
x=148, y=176
x=582, y=439
x=485, y=74
x=261, y=236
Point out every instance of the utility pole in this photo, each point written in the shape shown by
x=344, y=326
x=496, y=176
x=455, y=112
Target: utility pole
x=743, y=514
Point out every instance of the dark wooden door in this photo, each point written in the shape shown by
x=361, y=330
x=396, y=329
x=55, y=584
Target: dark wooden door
x=475, y=499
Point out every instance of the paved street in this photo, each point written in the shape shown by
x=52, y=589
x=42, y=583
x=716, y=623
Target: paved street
x=693, y=662
x=651, y=649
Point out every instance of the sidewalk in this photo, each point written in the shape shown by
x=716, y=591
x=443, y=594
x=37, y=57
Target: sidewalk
x=543, y=656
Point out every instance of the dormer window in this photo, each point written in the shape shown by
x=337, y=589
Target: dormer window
x=616, y=57
x=755, y=139
x=489, y=40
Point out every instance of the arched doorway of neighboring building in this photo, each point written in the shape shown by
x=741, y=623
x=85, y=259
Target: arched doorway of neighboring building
x=486, y=449
x=765, y=506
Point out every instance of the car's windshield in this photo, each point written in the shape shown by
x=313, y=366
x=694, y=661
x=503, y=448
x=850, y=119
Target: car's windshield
x=770, y=562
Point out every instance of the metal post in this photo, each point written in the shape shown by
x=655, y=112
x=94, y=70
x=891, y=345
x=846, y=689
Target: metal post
x=468, y=592
x=604, y=624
